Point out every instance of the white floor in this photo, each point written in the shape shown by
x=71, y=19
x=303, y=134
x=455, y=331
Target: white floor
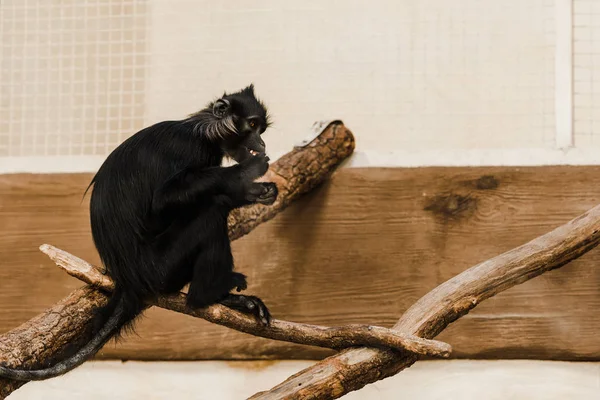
x=443, y=380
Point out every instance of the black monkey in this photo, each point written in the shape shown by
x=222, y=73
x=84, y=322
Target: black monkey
x=158, y=213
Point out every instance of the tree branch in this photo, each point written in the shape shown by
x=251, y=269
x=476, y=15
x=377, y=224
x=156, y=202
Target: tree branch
x=313, y=335
x=352, y=369
x=60, y=330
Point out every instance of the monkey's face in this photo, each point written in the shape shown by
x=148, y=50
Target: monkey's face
x=251, y=120
x=247, y=143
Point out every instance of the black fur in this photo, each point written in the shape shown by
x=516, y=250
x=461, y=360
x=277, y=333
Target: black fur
x=158, y=214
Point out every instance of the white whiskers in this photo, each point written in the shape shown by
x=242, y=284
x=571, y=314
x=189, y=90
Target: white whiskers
x=214, y=128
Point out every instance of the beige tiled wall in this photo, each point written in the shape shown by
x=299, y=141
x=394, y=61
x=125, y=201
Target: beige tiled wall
x=73, y=75
x=79, y=76
x=402, y=74
x=586, y=59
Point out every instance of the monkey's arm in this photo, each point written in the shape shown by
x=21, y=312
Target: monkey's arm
x=188, y=185
x=235, y=183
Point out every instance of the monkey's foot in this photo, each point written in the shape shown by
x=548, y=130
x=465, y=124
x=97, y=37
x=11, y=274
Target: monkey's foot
x=262, y=192
x=268, y=193
x=239, y=281
x=248, y=305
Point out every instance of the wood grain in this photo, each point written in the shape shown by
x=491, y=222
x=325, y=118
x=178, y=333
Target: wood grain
x=360, y=249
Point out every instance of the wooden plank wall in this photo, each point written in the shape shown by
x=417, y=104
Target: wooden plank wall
x=360, y=249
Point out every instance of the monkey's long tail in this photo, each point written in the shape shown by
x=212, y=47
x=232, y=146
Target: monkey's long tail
x=112, y=326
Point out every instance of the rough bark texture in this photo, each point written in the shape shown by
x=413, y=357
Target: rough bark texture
x=49, y=336
x=296, y=173
x=352, y=369
x=44, y=338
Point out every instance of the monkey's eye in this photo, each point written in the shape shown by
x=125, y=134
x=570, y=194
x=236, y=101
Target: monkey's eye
x=252, y=124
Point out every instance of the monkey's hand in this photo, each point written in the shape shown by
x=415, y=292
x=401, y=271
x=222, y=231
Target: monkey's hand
x=242, y=188
x=239, y=281
x=254, y=167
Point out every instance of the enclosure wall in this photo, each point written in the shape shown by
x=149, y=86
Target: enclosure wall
x=461, y=77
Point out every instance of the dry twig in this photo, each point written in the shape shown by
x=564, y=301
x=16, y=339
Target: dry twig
x=314, y=335
x=352, y=369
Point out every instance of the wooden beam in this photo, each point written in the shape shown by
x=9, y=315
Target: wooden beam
x=330, y=259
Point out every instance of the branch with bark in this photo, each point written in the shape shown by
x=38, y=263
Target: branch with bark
x=352, y=369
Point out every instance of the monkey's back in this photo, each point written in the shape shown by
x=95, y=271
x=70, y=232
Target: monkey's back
x=122, y=224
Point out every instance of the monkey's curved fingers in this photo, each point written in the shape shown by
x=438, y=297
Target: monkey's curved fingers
x=261, y=312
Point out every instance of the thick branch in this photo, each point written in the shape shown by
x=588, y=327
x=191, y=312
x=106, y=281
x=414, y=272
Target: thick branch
x=47, y=337
x=352, y=369
x=314, y=335
x=295, y=174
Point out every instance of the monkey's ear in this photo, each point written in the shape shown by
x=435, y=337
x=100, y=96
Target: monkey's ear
x=221, y=108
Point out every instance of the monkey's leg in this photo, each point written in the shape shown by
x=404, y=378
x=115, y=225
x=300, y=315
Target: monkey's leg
x=187, y=186
x=213, y=274
x=213, y=279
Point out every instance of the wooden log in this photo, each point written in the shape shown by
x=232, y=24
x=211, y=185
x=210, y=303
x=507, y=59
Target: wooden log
x=295, y=173
x=49, y=336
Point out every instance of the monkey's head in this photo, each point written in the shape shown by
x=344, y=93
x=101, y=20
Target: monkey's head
x=236, y=122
